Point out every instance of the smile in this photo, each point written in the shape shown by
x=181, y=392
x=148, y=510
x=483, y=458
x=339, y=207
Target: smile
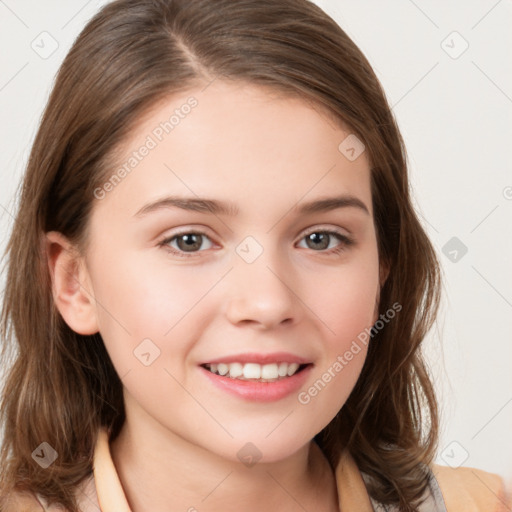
x=254, y=371
x=258, y=377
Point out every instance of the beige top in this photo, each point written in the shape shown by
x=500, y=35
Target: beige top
x=451, y=490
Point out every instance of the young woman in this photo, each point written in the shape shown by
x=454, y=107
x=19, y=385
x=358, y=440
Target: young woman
x=217, y=286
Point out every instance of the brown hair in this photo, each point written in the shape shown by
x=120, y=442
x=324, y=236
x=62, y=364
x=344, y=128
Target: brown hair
x=62, y=386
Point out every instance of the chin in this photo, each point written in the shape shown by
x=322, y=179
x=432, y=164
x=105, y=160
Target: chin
x=258, y=448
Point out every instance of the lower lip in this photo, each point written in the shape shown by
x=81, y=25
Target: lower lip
x=260, y=391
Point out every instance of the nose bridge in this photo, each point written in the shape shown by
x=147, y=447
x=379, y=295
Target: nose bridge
x=260, y=289
x=259, y=264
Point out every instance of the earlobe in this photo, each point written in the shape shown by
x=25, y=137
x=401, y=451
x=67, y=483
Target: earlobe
x=71, y=288
x=384, y=269
x=383, y=272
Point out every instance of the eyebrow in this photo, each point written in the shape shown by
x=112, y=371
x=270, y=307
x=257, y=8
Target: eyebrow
x=204, y=205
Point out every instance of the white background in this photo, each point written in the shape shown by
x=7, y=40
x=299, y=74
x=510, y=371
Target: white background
x=456, y=117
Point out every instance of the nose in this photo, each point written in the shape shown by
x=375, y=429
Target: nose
x=263, y=293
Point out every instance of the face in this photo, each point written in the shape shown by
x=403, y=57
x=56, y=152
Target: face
x=225, y=327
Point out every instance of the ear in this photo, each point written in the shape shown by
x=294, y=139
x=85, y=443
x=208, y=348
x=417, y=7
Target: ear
x=384, y=269
x=71, y=285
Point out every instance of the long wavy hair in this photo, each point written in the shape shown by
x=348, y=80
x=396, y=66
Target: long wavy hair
x=61, y=386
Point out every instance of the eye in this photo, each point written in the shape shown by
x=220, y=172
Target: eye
x=320, y=240
x=186, y=242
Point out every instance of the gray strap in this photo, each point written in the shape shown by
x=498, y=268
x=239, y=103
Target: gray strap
x=432, y=500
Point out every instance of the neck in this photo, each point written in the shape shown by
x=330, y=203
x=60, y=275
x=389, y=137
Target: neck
x=179, y=476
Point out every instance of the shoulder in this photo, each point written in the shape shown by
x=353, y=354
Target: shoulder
x=468, y=489
x=20, y=502
x=24, y=501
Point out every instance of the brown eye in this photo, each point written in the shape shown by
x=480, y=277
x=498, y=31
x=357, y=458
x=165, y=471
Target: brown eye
x=319, y=240
x=190, y=242
x=183, y=243
x=322, y=240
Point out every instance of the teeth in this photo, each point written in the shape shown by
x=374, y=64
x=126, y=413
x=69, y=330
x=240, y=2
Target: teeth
x=269, y=371
x=235, y=370
x=222, y=369
x=254, y=371
x=292, y=368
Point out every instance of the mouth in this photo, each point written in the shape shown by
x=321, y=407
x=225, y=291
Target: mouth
x=254, y=372
x=257, y=377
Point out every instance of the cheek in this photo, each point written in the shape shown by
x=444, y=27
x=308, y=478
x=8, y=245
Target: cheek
x=137, y=301
x=144, y=298
x=345, y=299
x=345, y=302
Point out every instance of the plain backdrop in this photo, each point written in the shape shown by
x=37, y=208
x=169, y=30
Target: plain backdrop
x=446, y=68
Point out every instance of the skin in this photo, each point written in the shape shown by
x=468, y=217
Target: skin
x=268, y=154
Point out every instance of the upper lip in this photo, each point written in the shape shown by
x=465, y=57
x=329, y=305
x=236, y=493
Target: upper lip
x=253, y=357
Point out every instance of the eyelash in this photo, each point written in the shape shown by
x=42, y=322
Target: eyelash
x=346, y=242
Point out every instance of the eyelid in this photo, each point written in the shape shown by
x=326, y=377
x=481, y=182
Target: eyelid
x=189, y=230
x=325, y=228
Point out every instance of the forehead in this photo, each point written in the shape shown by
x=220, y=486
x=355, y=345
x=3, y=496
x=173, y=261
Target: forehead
x=237, y=142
